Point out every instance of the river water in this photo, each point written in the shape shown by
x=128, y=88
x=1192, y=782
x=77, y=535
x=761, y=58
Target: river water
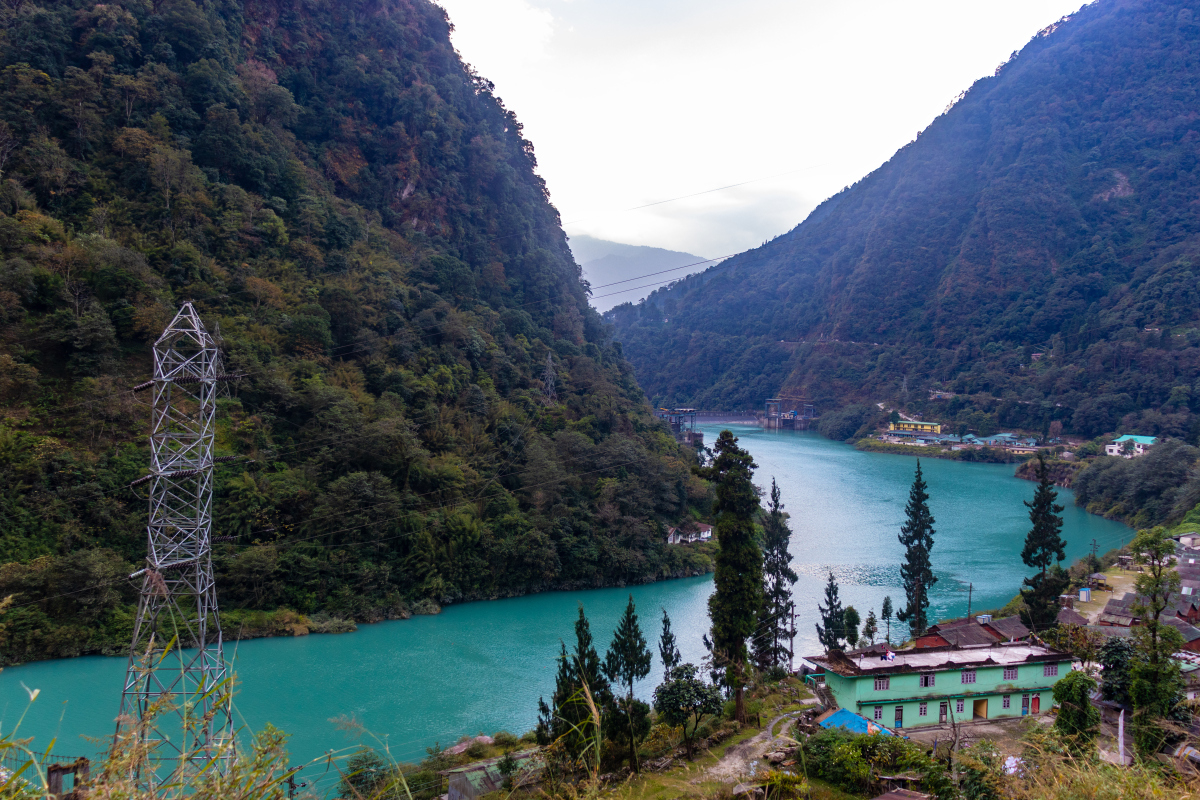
x=482, y=666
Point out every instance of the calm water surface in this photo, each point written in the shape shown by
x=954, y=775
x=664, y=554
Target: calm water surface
x=482, y=666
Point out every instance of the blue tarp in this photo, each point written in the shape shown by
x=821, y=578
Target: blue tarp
x=843, y=718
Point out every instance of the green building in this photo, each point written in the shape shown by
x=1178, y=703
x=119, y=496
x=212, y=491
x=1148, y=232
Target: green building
x=934, y=685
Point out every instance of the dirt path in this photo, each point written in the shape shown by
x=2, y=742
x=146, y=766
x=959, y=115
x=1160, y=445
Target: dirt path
x=743, y=758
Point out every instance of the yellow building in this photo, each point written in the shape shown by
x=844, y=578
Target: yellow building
x=915, y=427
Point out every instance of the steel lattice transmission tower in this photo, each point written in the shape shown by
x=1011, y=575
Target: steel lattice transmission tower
x=177, y=648
x=549, y=395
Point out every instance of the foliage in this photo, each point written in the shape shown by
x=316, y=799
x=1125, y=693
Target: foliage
x=916, y=573
x=1040, y=214
x=1039, y=598
x=1044, y=542
x=1078, y=720
x=850, y=621
x=778, y=577
x=832, y=627
x=1145, y=491
x=849, y=761
x=736, y=603
x=849, y=423
x=1084, y=644
x=626, y=662
x=1156, y=682
x=870, y=627
x=357, y=214
x=885, y=613
x=668, y=651
x=684, y=699
x=1116, y=657
x=566, y=718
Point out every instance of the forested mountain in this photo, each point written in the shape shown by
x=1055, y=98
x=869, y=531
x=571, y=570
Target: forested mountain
x=357, y=215
x=1036, y=250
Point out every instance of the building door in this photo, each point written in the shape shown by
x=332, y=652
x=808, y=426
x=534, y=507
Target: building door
x=1024, y=704
x=943, y=710
x=980, y=709
x=899, y=716
x=1037, y=703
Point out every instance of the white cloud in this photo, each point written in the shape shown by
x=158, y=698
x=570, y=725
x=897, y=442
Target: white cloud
x=630, y=102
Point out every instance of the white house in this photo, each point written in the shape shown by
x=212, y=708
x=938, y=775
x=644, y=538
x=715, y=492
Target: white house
x=689, y=533
x=1130, y=446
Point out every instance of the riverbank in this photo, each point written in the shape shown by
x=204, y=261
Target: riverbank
x=46, y=641
x=981, y=455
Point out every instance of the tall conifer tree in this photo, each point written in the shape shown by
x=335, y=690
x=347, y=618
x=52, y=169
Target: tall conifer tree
x=626, y=662
x=568, y=708
x=737, y=602
x=916, y=573
x=668, y=651
x=1043, y=544
x=831, y=633
x=774, y=634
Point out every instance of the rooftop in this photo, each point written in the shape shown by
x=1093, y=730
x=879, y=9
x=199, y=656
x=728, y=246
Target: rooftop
x=1138, y=439
x=930, y=659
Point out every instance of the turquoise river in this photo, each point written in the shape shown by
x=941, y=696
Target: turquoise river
x=482, y=666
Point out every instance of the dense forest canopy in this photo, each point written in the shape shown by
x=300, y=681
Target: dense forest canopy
x=357, y=216
x=1035, y=251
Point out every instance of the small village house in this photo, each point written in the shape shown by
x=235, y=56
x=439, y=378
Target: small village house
x=915, y=426
x=930, y=686
x=982, y=629
x=1130, y=446
x=690, y=532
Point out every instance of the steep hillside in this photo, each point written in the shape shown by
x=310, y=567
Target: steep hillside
x=1052, y=210
x=358, y=216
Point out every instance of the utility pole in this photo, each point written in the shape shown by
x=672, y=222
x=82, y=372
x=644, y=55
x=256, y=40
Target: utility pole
x=1095, y=561
x=176, y=698
x=970, y=591
x=792, y=641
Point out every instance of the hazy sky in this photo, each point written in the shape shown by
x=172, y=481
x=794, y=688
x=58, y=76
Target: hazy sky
x=628, y=102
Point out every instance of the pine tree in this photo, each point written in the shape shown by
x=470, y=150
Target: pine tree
x=736, y=604
x=772, y=641
x=831, y=633
x=885, y=613
x=850, y=620
x=568, y=710
x=626, y=662
x=1043, y=544
x=870, y=627
x=667, y=649
x=916, y=573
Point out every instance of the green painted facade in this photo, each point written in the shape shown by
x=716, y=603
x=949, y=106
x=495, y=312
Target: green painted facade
x=1030, y=692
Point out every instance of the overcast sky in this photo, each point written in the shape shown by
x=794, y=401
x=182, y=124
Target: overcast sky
x=629, y=102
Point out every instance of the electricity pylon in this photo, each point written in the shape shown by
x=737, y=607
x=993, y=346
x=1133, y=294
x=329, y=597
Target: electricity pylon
x=176, y=698
x=549, y=395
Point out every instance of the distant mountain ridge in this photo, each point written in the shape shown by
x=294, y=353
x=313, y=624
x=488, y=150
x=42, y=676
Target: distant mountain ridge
x=1033, y=252
x=605, y=263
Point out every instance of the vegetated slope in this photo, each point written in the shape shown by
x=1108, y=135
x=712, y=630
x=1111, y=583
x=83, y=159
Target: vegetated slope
x=1052, y=210
x=358, y=216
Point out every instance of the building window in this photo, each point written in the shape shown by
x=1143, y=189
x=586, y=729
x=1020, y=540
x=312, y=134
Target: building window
x=1010, y=673
x=878, y=712
x=923, y=710
x=1050, y=670
x=882, y=684
x=927, y=680
x=1006, y=701
x=968, y=676
x=958, y=706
